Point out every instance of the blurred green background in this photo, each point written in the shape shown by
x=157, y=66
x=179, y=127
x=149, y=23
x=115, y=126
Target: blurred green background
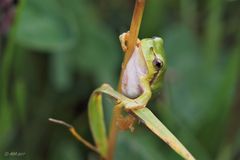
x=58, y=51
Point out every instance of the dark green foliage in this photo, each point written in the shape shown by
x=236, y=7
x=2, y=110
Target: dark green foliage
x=59, y=51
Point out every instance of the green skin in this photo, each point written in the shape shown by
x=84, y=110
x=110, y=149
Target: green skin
x=152, y=49
x=151, y=55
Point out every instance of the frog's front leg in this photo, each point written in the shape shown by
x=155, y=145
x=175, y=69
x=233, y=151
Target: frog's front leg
x=124, y=40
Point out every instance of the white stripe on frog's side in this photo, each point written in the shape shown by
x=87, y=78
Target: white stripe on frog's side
x=135, y=69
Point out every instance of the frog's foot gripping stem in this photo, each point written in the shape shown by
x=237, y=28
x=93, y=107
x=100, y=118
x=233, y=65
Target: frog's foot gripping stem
x=124, y=41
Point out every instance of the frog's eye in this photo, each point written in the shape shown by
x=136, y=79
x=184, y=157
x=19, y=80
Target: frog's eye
x=157, y=63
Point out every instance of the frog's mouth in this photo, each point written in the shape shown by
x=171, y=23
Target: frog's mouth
x=155, y=76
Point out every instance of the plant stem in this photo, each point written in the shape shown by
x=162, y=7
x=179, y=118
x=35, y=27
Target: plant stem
x=134, y=31
x=113, y=132
x=75, y=134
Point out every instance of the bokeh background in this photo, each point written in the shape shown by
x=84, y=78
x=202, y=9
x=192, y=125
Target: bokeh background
x=54, y=53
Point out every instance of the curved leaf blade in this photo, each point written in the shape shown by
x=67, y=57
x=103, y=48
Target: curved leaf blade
x=96, y=120
x=156, y=126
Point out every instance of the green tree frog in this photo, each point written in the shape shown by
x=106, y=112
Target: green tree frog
x=143, y=75
x=144, y=71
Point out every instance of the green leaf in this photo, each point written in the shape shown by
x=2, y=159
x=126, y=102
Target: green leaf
x=156, y=126
x=96, y=120
x=20, y=98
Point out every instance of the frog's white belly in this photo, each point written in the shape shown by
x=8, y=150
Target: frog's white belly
x=136, y=68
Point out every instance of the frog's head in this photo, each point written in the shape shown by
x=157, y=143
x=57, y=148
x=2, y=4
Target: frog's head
x=153, y=52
